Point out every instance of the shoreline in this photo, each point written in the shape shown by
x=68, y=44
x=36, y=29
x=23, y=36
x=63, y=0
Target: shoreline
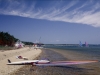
x=56, y=55
x=5, y=69
x=72, y=55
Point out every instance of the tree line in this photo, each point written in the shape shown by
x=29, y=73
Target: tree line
x=27, y=43
x=9, y=40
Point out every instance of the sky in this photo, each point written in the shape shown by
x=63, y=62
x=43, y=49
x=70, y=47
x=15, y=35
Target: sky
x=52, y=21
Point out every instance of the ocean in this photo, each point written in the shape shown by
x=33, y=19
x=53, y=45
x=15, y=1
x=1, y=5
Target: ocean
x=92, y=51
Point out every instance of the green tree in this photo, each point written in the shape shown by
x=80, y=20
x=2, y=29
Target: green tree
x=7, y=39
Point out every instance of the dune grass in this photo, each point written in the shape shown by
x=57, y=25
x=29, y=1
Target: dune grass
x=6, y=48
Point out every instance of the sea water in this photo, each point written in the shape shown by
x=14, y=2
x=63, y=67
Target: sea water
x=91, y=50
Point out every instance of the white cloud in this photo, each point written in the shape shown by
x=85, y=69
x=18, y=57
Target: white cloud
x=84, y=14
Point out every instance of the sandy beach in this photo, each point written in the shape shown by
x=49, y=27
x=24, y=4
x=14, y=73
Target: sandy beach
x=30, y=53
x=56, y=55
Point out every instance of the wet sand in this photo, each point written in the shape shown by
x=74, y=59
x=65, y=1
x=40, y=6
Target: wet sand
x=54, y=55
x=91, y=68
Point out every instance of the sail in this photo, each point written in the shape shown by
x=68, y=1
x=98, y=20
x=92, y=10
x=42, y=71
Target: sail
x=80, y=44
x=86, y=44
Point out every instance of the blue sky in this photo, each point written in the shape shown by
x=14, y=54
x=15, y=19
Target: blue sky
x=55, y=21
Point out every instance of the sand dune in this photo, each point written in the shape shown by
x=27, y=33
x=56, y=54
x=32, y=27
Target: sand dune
x=11, y=54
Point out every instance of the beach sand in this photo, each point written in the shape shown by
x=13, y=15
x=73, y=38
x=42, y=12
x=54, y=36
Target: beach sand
x=5, y=69
x=56, y=55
